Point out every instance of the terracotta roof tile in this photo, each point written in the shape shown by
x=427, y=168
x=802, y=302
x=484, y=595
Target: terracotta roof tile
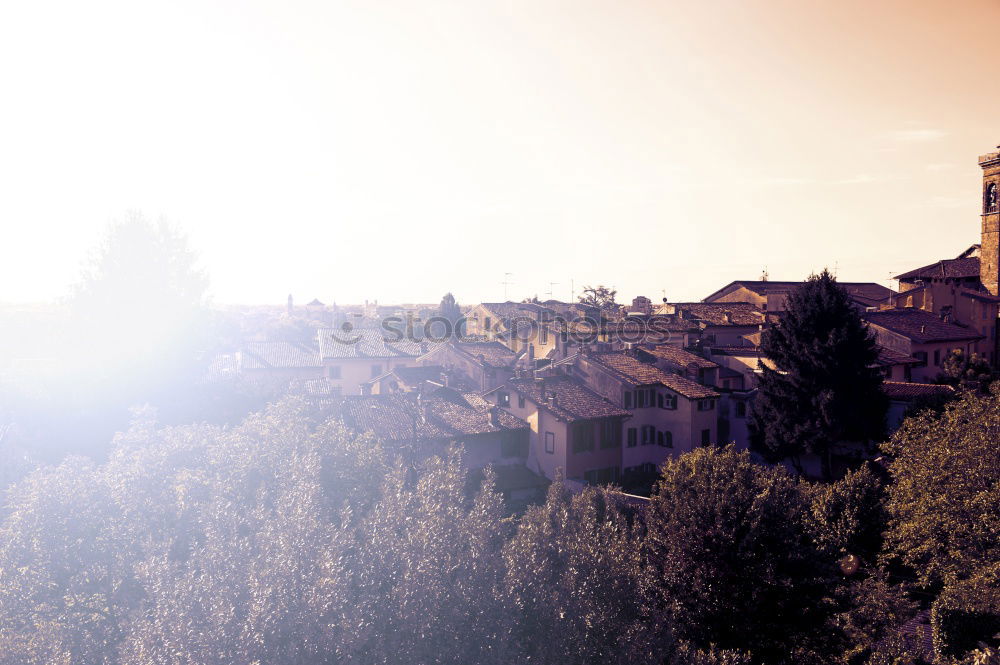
x=945, y=269
x=573, y=400
x=919, y=326
x=278, y=355
x=680, y=357
x=904, y=392
x=716, y=313
x=645, y=374
x=367, y=343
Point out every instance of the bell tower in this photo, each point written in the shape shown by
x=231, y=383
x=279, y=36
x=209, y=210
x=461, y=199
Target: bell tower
x=989, y=254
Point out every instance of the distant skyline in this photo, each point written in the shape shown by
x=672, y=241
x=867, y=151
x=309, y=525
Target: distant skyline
x=349, y=150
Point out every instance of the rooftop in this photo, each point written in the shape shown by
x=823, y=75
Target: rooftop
x=962, y=268
x=719, y=313
x=335, y=343
x=572, y=399
x=919, y=326
x=278, y=355
x=905, y=392
x=680, y=357
x=443, y=414
x=644, y=374
x=863, y=290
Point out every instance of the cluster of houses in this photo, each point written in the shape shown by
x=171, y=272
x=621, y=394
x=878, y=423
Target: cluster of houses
x=597, y=395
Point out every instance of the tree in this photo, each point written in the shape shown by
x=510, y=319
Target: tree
x=732, y=563
x=577, y=584
x=449, y=309
x=600, y=297
x=944, y=502
x=825, y=388
x=969, y=372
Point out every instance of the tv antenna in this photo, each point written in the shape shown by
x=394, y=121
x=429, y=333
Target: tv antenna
x=506, y=282
x=551, y=284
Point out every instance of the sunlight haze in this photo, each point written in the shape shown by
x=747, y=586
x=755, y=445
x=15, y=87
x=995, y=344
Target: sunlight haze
x=392, y=150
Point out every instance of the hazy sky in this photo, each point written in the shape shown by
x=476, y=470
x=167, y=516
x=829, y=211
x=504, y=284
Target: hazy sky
x=395, y=150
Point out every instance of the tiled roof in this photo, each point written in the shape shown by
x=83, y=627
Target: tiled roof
x=573, y=400
x=511, y=310
x=412, y=375
x=866, y=290
x=904, y=392
x=739, y=313
x=979, y=295
x=888, y=357
x=278, y=355
x=680, y=357
x=493, y=354
x=919, y=326
x=444, y=414
x=735, y=350
x=945, y=269
x=645, y=374
x=367, y=343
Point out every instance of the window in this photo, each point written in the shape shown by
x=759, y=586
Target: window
x=648, y=435
x=633, y=437
x=665, y=439
x=582, y=437
x=922, y=357
x=741, y=409
x=706, y=437
x=641, y=397
x=937, y=357
x=334, y=372
x=376, y=370
x=670, y=402
x=706, y=404
x=503, y=398
x=489, y=324
x=550, y=443
x=520, y=401
x=611, y=434
x=628, y=399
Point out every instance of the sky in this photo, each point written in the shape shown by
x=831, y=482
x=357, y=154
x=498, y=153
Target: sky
x=394, y=150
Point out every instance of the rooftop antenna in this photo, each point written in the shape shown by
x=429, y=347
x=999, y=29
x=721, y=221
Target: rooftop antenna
x=572, y=291
x=763, y=275
x=506, y=282
x=551, y=284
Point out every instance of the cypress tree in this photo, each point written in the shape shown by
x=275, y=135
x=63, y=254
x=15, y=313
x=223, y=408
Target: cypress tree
x=825, y=387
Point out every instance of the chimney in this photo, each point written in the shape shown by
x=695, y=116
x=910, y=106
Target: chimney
x=494, y=417
x=421, y=409
x=727, y=316
x=923, y=329
x=551, y=400
x=540, y=382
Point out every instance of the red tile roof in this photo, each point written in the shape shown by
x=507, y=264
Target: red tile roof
x=945, y=269
x=680, y=357
x=443, y=414
x=863, y=290
x=919, y=326
x=366, y=343
x=278, y=355
x=716, y=313
x=572, y=399
x=644, y=374
x=905, y=392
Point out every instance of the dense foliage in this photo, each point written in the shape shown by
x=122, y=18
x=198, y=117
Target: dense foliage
x=944, y=503
x=825, y=388
x=287, y=540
